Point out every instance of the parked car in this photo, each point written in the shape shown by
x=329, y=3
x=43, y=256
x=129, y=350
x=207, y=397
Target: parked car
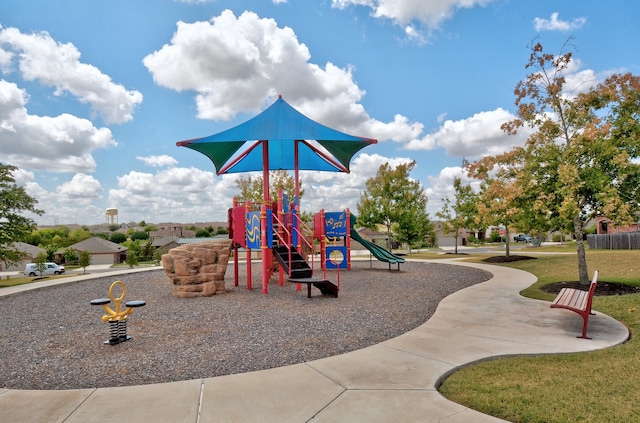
x=31, y=269
x=522, y=238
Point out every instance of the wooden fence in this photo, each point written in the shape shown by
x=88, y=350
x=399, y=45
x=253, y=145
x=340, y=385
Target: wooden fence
x=617, y=241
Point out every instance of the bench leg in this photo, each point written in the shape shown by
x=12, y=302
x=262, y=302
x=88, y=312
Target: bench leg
x=308, y=290
x=585, y=323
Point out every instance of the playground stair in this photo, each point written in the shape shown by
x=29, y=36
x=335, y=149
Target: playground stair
x=300, y=272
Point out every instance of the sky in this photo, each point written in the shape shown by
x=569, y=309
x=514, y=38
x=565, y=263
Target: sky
x=94, y=95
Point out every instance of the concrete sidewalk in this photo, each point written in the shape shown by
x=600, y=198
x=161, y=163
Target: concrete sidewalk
x=394, y=381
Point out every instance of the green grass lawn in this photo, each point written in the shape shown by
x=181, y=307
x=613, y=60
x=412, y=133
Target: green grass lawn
x=14, y=280
x=599, y=386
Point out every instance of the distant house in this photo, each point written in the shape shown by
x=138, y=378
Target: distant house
x=31, y=252
x=606, y=226
x=379, y=238
x=447, y=238
x=100, y=250
x=165, y=242
x=172, y=230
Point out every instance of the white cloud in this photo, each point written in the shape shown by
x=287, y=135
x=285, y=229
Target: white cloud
x=71, y=202
x=240, y=64
x=554, y=24
x=579, y=80
x=173, y=194
x=414, y=34
x=441, y=186
x=474, y=137
x=61, y=143
x=158, y=161
x=58, y=65
x=339, y=191
x=430, y=13
x=81, y=187
x=189, y=194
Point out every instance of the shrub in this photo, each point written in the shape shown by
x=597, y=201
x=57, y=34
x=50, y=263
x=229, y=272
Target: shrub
x=118, y=237
x=139, y=235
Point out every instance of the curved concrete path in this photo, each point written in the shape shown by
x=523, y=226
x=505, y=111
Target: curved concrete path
x=394, y=381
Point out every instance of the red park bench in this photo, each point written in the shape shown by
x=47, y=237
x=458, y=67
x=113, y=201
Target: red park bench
x=578, y=301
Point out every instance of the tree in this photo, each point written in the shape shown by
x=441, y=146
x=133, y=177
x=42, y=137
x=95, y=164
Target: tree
x=579, y=161
x=202, y=233
x=501, y=200
x=414, y=226
x=41, y=262
x=14, y=201
x=136, y=235
x=251, y=189
x=132, y=258
x=84, y=260
x=76, y=236
x=118, y=237
x=147, y=249
x=461, y=212
x=150, y=228
x=70, y=255
x=393, y=197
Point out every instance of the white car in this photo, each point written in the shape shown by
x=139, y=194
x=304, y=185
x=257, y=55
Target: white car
x=31, y=269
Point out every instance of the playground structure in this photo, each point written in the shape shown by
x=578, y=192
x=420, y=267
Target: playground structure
x=377, y=251
x=281, y=235
x=281, y=138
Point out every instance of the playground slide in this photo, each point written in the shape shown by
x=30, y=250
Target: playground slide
x=377, y=251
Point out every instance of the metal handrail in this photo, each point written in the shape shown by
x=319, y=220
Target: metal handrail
x=290, y=236
x=301, y=236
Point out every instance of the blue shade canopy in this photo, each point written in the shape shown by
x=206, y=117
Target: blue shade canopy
x=279, y=138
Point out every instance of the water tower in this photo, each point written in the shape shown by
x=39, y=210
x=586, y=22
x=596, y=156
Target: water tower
x=112, y=215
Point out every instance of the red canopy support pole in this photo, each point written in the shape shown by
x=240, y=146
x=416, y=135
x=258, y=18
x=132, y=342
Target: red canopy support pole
x=263, y=247
x=296, y=221
x=323, y=241
x=266, y=202
x=348, y=239
x=234, y=245
x=247, y=209
x=266, y=197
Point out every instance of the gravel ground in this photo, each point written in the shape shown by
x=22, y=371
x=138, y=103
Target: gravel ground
x=53, y=338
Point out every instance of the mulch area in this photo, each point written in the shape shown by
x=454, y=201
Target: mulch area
x=603, y=288
x=52, y=338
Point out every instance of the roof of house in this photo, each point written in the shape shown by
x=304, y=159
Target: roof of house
x=198, y=240
x=368, y=233
x=164, y=240
x=96, y=245
x=30, y=250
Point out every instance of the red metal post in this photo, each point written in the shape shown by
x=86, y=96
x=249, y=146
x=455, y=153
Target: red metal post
x=263, y=248
x=348, y=239
x=323, y=241
x=247, y=207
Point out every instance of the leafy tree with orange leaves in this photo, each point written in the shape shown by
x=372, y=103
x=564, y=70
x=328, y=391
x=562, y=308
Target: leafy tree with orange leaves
x=581, y=158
